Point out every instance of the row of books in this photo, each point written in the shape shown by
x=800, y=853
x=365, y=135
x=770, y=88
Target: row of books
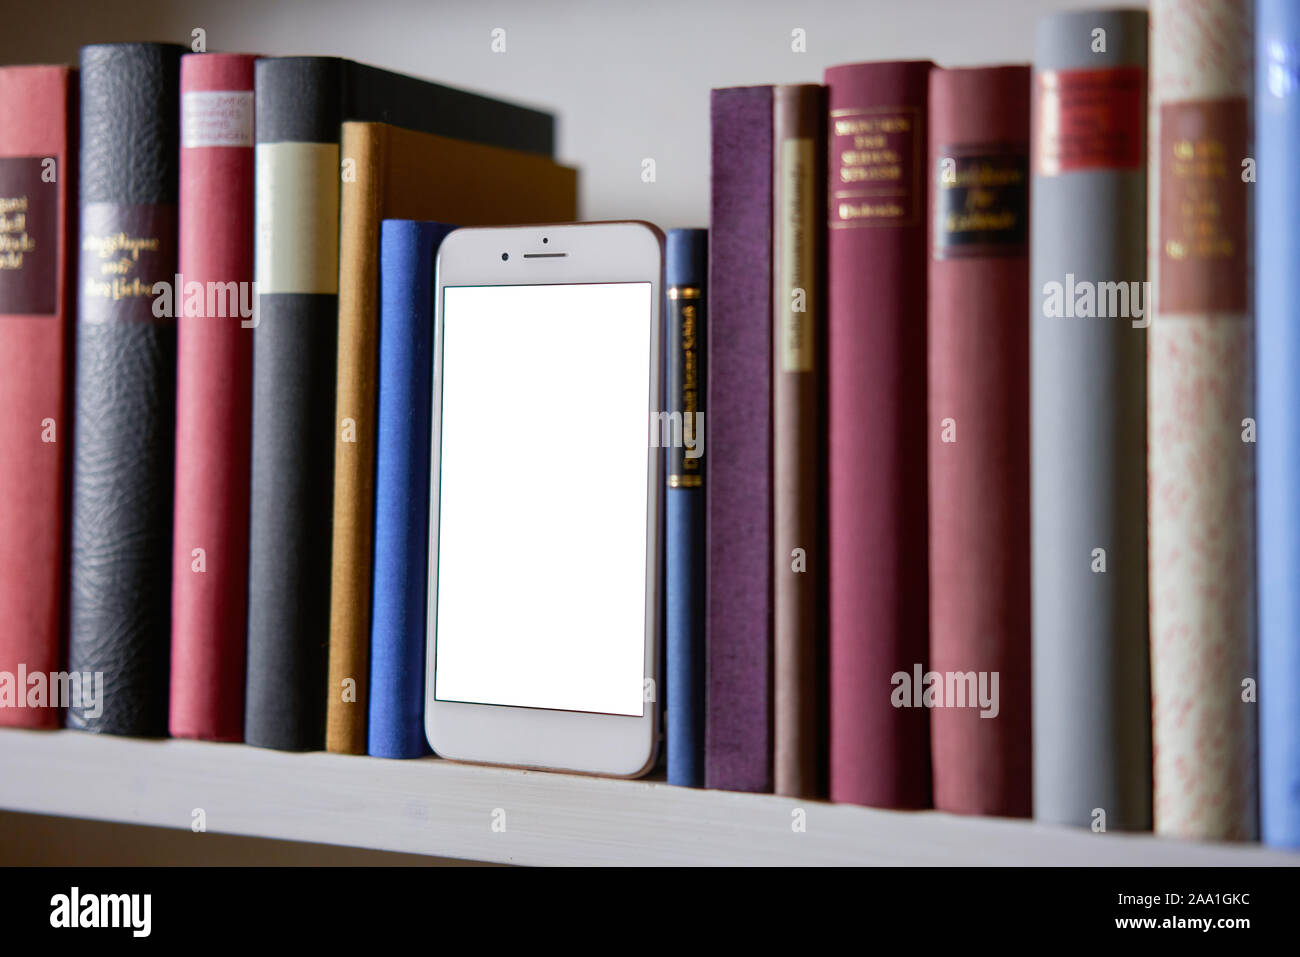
x=978, y=523
x=189, y=483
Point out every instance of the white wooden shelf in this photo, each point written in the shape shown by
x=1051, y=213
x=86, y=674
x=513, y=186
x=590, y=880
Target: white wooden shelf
x=439, y=808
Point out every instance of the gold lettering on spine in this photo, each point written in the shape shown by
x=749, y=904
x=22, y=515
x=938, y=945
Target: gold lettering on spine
x=796, y=286
x=15, y=242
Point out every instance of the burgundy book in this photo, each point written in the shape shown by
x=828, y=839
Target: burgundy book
x=738, y=493
x=37, y=114
x=979, y=438
x=876, y=451
x=213, y=398
x=798, y=442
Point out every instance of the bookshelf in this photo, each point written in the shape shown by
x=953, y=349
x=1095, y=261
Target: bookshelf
x=438, y=808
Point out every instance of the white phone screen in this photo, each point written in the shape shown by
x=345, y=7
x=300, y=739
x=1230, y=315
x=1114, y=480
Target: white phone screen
x=543, y=472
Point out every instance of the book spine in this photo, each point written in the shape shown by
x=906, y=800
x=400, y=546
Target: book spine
x=1200, y=368
x=685, y=267
x=738, y=506
x=214, y=361
x=1277, y=284
x=37, y=233
x=120, y=574
x=1088, y=194
x=979, y=436
x=297, y=114
x=407, y=251
x=876, y=360
x=798, y=406
x=352, y=552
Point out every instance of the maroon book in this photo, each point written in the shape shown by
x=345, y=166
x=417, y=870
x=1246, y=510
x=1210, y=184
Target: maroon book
x=876, y=454
x=979, y=438
x=36, y=309
x=213, y=398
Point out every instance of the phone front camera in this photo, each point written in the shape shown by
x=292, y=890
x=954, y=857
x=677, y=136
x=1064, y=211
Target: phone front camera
x=505, y=256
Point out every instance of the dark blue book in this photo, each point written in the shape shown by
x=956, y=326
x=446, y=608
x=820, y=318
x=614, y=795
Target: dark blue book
x=1277, y=343
x=684, y=272
x=406, y=258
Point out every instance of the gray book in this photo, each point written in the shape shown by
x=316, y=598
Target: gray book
x=1091, y=679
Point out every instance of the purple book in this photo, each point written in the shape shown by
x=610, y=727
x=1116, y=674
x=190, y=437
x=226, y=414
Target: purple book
x=738, y=494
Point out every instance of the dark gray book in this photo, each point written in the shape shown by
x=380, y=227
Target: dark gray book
x=301, y=103
x=1091, y=685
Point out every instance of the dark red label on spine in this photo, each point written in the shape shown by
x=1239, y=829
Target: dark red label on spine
x=125, y=252
x=875, y=167
x=1089, y=119
x=29, y=236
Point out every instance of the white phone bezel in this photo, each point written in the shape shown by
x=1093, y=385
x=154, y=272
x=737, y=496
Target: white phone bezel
x=615, y=745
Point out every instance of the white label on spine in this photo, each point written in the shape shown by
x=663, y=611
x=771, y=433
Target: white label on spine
x=217, y=118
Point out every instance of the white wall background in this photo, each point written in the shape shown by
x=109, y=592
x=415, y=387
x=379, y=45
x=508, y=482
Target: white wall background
x=627, y=80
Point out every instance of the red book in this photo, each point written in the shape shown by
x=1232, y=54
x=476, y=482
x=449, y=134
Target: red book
x=213, y=397
x=876, y=454
x=37, y=203
x=979, y=438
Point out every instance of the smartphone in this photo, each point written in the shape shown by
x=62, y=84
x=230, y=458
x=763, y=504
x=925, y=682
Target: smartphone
x=545, y=498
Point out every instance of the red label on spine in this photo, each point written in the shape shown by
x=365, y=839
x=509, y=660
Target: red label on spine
x=1089, y=119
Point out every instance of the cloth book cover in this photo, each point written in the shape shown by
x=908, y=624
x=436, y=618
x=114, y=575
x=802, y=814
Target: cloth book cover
x=407, y=251
x=798, y=439
x=37, y=232
x=1277, y=284
x=738, y=505
x=300, y=106
x=1201, y=385
x=1088, y=343
x=214, y=368
x=876, y=364
x=119, y=602
x=398, y=173
x=979, y=438
x=685, y=268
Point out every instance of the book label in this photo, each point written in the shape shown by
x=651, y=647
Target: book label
x=217, y=118
x=1203, y=204
x=875, y=167
x=981, y=202
x=1089, y=119
x=297, y=187
x=125, y=250
x=797, y=224
x=29, y=237
x=686, y=325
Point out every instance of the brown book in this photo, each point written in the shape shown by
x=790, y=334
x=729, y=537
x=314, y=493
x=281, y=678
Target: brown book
x=798, y=404
x=393, y=173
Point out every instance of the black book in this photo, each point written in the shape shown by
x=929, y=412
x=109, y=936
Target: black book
x=300, y=104
x=123, y=431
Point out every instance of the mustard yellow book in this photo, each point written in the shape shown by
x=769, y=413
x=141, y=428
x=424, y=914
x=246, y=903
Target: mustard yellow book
x=389, y=172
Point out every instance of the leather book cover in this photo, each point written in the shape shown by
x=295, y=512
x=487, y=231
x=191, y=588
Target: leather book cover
x=876, y=457
x=1088, y=344
x=214, y=369
x=798, y=439
x=738, y=503
x=119, y=606
x=407, y=251
x=685, y=269
x=978, y=428
x=1201, y=384
x=300, y=105
x=1277, y=415
x=37, y=236
x=398, y=174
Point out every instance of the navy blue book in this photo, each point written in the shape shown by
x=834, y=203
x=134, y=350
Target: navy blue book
x=406, y=258
x=684, y=272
